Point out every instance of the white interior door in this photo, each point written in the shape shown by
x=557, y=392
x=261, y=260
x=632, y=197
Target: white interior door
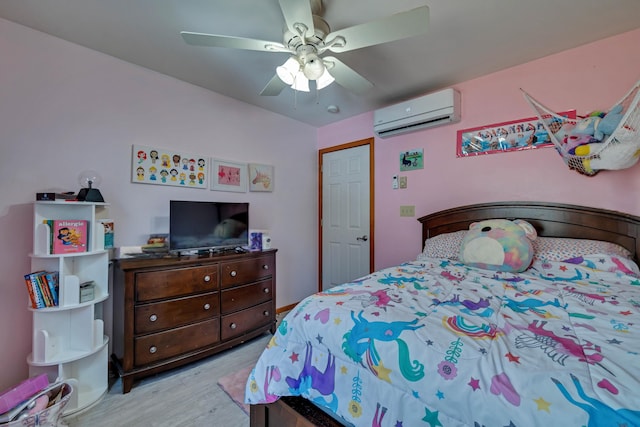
x=346, y=229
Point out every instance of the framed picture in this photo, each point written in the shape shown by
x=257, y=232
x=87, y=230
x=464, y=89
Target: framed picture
x=524, y=134
x=260, y=177
x=228, y=176
x=161, y=166
x=411, y=160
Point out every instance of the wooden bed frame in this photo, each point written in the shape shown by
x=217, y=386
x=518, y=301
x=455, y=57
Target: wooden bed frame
x=549, y=219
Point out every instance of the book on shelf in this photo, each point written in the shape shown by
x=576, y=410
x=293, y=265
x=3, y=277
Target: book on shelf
x=108, y=225
x=69, y=236
x=33, y=298
x=51, y=278
x=42, y=287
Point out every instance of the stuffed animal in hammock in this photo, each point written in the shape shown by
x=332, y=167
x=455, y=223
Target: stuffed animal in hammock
x=499, y=244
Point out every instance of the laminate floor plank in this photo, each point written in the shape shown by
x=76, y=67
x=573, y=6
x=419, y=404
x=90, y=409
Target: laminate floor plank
x=185, y=396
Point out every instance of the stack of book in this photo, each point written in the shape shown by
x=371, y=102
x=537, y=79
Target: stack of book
x=43, y=288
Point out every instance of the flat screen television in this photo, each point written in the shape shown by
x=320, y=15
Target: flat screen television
x=201, y=226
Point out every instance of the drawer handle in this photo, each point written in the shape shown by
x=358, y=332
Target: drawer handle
x=265, y=267
x=233, y=326
x=233, y=273
x=207, y=278
x=266, y=313
x=207, y=306
x=153, y=349
x=153, y=318
x=266, y=290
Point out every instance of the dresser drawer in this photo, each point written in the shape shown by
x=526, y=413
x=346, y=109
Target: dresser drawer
x=241, y=297
x=246, y=320
x=176, y=312
x=160, y=284
x=163, y=345
x=250, y=270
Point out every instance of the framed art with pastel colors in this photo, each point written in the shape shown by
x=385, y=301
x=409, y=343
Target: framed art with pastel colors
x=260, y=177
x=228, y=176
x=162, y=166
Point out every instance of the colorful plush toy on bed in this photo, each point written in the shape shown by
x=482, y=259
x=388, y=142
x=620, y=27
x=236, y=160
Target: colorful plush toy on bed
x=499, y=244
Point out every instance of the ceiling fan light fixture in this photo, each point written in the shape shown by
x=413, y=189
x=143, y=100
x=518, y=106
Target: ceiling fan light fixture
x=324, y=80
x=288, y=71
x=300, y=82
x=313, y=67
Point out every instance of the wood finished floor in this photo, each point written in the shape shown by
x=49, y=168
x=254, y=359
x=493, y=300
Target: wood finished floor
x=185, y=396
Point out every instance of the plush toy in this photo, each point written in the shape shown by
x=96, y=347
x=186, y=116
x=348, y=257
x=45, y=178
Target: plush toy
x=616, y=155
x=609, y=123
x=588, y=125
x=498, y=244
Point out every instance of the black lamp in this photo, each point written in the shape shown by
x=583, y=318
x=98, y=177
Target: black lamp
x=87, y=193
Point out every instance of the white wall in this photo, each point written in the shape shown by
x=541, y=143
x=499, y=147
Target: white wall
x=65, y=109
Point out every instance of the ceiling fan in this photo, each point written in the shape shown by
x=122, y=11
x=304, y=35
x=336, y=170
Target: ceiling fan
x=307, y=36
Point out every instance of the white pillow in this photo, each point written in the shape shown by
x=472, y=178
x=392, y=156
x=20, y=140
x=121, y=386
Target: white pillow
x=446, y=245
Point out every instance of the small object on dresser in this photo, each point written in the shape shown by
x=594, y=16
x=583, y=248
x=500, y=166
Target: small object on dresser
x=259, y=240
x=87, y=291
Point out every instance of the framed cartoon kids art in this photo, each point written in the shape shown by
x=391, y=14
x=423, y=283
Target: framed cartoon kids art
x=161, y=166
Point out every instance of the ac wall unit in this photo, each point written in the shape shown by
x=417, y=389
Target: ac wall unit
x=434, y=109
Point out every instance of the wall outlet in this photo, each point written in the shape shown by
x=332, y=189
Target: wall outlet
x=403, y=182
x=408, y=210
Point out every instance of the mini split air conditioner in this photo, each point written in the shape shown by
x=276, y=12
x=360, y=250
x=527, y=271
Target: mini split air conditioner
x=434, y=109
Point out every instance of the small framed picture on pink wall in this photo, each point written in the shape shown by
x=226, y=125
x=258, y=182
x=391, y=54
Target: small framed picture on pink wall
x=229, y=176
x=260, y=177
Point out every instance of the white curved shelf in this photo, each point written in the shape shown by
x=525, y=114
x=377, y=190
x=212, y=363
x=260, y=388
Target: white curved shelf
x=69, y=255
x=68, y=356
x=98, y=299
x=69, y=341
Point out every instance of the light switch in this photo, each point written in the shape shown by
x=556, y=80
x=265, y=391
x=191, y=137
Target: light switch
x=403, y=182
x=408, y=210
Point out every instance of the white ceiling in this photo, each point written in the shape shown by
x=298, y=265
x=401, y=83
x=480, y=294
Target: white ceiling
x=465, y=39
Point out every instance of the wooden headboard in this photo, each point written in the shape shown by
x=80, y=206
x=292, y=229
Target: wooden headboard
x=549, y=219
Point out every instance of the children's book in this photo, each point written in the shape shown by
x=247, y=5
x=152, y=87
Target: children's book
x=69, y=236
x=37, y=292
x=44, y=288
x=32, y=296
x=51, y=278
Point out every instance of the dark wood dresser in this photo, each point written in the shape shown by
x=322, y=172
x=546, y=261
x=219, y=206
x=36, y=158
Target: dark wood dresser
x=168, y=311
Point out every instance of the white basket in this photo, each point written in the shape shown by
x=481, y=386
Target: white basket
x=620, y=150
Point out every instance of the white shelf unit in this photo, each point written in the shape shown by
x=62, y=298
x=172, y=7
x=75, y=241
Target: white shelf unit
x=68, y=339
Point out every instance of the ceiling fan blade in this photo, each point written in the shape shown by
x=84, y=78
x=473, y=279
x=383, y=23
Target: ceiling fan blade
x=201, y=39
x=297, y=12
x=346, y=77
x=395, y=27
x=274, y=87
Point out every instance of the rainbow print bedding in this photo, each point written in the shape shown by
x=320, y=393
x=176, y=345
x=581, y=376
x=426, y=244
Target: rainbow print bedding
x=436, y=343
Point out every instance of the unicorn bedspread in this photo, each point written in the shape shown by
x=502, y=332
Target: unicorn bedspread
x=436, y=343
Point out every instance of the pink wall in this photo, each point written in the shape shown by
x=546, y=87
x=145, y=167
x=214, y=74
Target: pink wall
x=587, y=78
x=65, y=109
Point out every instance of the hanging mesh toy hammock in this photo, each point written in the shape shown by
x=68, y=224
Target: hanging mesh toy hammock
x=618, y=150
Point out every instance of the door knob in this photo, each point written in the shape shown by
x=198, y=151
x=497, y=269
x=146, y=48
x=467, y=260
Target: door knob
x=363, y=238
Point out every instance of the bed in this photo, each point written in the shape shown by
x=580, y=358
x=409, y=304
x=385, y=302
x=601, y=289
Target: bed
x=434, y=342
